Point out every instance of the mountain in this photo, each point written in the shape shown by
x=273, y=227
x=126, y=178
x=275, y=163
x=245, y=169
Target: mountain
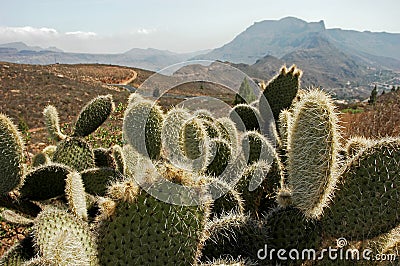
x=281, y=37
x=151, y=59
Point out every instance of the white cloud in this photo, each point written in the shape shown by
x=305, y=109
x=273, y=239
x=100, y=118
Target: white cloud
x=145, y=31
x=81, y=34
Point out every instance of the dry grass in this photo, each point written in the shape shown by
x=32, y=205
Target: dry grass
x=380, y=120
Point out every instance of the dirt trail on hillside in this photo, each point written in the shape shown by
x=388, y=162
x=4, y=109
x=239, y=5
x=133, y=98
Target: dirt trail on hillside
x=126, y=82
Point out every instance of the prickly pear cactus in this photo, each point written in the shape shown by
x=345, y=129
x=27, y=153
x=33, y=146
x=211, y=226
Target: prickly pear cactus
x=76, y=196
x=312, y=158
x=193, y=139
x=63, y=239
x=246, y=117
x=75, y=153
x=96, y=180
x=45, y=182
x=93, y=115
x=281, y=90
x=52, y=122
x=11, y=155
x=152, y=232
x=222, y=152
x=142, y=127
x=368, y=191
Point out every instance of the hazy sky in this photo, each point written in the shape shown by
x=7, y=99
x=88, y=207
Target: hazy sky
x=112, y=26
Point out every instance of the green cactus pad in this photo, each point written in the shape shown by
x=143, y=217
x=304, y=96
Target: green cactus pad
x=63, y=239
x=11, y=155
x=312, y=164
x=288, y=229
x=142, y=230
x=45, y=182
x=171, y=134
x=118, y=156
x=193, y=139
x=93, y=115
x=96, y=180
x=368, y=192
x=246, y=117
x=75, y=153
x=256, y=147
x=142, y=128
x=281, y=90
x=52, y=122
x=103, y=157
x=15, y=218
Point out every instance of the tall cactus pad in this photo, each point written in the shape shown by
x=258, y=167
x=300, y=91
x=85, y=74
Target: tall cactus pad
x=171, y=134
x=11, y=155
x=146, y=231
x=45, y=182
x=228, y=132
x=282, y=89
x=96, y=180
x=369, y=191
x=93, y=115
x=76, y=196
x=118, y=156
x=64, y=239
x=75, y=153
x=312, y=153
x=52, y=122
x=193, y=139
x=246, y=117
x=142, y=128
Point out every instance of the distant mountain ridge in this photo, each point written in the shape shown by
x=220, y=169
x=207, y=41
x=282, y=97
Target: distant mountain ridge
x=151, y=59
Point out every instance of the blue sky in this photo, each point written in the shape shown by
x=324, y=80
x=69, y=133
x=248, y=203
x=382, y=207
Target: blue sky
x=111, y=26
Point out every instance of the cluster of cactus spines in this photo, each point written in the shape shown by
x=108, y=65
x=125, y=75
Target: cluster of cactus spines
x=64, y=239
x=15, y=218
x=282, y=90
x=170, y=235
x=76, y=196
x=142, y=127
x=52, y=122
x=284, y=123
x=75, y=153
x=45, y=182
x=11, y=155
x=93, y=115
x=312, y=157
x=355, y=145
x=367, y=192
x=245, y=117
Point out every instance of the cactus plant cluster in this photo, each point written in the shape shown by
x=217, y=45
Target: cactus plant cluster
x=98, y=207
